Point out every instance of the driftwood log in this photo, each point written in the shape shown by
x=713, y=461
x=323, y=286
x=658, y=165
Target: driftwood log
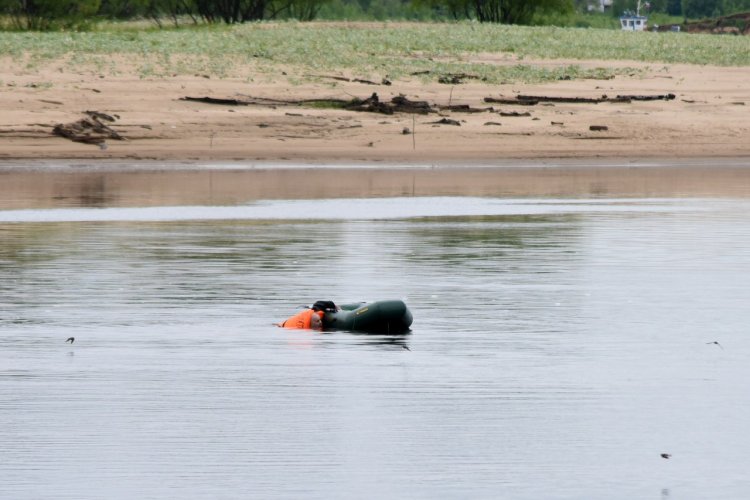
x=402, y=104
x=502, y=100
x=596, y=100
x=465, y=108
x=542, y=98
x=214, y=100
x=89, y=130
x=372, y=104
x=532, y=100
x=447, y=121
x=657, y=97
x=457, y=78
x=384, y=81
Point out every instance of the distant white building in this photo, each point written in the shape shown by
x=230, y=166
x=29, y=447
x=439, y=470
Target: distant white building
x=600, y=5
x=632, y=22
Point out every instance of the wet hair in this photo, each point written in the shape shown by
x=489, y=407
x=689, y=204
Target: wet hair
x=324, y=305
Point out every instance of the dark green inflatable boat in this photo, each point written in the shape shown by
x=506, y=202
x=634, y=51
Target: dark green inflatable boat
x=384, y=316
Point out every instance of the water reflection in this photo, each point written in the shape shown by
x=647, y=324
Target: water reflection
x=557, y=350
x=102, y=184
x=91, y=192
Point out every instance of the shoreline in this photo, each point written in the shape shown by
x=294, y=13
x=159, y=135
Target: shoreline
x=77, y=185
x=86, y=164
x=272, y=127
x=707, y=117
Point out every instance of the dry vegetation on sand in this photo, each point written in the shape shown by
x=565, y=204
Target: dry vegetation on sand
x=282, y=92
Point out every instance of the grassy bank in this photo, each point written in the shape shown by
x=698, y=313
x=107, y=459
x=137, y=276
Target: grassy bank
x=363, y=50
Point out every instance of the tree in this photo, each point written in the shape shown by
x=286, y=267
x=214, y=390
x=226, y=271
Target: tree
x=174, y=9
x=241, y=11
x=123, y=9
x=732, y=6
x=302, y=10
x=44, y=14
x=621, y=6
x=655, y=6
x=674, y=7
x=502, y=11
x=700, y=8
x=231, y=11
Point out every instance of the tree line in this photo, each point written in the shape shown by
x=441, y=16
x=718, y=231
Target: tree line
x=42, y=14
x=693, y=9
x=48, y=14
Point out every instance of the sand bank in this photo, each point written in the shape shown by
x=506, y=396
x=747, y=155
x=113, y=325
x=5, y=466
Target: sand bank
x=709, y=117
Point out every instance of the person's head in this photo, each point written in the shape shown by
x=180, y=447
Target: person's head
x=316, y=320
x=324, y=305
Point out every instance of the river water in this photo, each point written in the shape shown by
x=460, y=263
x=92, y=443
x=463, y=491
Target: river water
x=558, y=348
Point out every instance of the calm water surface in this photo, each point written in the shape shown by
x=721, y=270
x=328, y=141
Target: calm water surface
x=558, y=348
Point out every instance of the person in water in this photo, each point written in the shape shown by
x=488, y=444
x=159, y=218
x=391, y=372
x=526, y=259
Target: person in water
x=310, y=319
x=305, y=320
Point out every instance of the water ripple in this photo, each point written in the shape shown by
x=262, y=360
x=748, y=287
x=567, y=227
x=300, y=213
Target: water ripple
x=558, y=348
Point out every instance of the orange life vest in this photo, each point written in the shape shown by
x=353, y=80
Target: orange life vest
x=302, y=320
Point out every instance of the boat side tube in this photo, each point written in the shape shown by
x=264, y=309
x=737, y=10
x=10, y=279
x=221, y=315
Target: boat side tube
x=384, y=317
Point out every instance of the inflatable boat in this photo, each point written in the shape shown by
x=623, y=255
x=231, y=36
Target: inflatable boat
x=384, y=316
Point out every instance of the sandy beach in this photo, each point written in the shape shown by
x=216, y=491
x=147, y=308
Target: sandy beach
x=709, y=117
x=159, y=148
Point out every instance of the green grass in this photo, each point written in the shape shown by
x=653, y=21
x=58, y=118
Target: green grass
x=396, y=50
